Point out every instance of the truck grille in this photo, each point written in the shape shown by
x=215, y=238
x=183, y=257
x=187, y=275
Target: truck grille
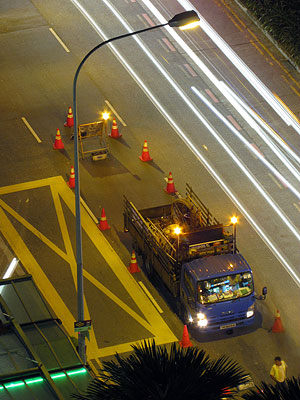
x=215, y=322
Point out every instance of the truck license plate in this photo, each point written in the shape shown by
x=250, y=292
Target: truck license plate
x=227, y=326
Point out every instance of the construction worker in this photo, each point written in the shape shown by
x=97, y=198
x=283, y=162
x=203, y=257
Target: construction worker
x=279, y=372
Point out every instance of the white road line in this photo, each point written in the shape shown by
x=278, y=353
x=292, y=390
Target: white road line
x=88, y=210
x=31, y=130
x=59, y=39
x=115, y=112
x=150, y=297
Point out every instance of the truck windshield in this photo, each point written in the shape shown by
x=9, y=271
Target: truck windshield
x=225, y=288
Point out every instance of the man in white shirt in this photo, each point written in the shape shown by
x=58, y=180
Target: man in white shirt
x=279, y=372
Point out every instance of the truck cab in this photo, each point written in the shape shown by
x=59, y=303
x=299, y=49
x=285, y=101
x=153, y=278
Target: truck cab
x=217, y=293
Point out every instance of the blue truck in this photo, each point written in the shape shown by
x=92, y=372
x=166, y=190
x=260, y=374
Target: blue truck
x=197, y=259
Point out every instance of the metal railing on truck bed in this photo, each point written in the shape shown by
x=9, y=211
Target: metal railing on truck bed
x=207, y=217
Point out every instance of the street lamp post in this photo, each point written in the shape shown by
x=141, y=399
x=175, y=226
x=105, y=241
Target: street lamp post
x=234, y=222
x=185, y=20
x=177, y=232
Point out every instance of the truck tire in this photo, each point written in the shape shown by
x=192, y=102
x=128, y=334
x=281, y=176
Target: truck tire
x=148, y=267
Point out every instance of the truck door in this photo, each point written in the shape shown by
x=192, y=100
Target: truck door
x=188, y=291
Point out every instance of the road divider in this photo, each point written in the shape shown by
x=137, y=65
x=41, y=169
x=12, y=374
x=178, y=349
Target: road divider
x=31, y=130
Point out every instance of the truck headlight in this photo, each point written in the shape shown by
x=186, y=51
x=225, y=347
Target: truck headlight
x=202, y=320
x=250, y=311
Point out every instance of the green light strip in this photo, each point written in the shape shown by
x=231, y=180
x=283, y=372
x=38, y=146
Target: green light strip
x=14, y=384
x=33, y=380
x=77, y=371
x=39, y=379
x=58, y=375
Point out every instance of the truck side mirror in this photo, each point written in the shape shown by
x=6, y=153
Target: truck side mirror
x=263, y=295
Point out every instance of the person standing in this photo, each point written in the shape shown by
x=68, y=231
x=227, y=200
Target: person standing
x=279, y=372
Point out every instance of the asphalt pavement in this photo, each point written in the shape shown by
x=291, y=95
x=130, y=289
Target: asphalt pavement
x=36, y=82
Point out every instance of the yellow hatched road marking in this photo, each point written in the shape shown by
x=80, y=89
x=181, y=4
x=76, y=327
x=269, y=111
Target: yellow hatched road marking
x=120, y=303
x=32, y=267
x=118, y=267
x=153, y=322
x=33, y=230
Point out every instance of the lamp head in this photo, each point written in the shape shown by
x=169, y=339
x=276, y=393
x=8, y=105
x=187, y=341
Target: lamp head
x=233, y=220
x=185, y=20
x=105, y=116
x=177, y=230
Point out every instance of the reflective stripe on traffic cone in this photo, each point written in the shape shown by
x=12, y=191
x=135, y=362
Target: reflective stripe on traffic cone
x=71, y=182
x=145, y=154
x=114, y=130
x=103, y=224
x=58, y=144
x=170, y=186
x=185, y=342
x=70, y=119
x=277, y=326
x=133, y=266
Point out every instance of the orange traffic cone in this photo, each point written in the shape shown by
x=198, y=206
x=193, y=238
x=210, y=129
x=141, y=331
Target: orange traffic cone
x=133, y=266
x=71, y=182
x=145, y=154
x=58, y=144
x=114, y=130
x=277, y=326
x=103, y=224
x=70, y=119
x=185, y=342
x=170, y=186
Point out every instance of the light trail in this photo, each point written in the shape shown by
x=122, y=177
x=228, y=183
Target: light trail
x=245, y=142
x=192, y=147
x=224, y=89
x=264, y=125
x=239, y=106
x=261, y=88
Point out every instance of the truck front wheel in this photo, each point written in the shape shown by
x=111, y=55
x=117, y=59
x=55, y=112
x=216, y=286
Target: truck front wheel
x=183, y=315
x=148, y=266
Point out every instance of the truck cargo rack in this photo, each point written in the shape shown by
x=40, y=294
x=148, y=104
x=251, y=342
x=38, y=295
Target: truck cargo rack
x=159, y=243
x=207, y=217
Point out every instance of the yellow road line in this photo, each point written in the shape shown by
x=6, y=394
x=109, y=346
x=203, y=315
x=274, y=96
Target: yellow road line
x=125, y=347
x=119, y=302
x=263, y=46
x=28, y=185
x=150, y=297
